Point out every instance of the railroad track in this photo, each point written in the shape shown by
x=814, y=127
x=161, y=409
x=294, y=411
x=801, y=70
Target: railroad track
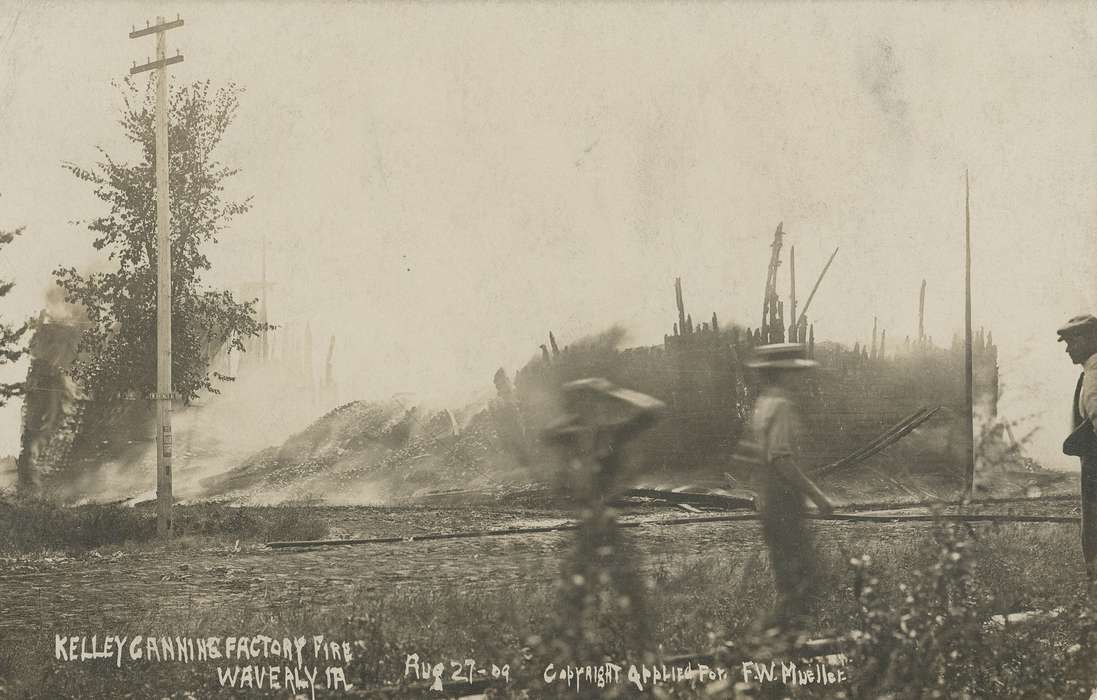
x=848, y=516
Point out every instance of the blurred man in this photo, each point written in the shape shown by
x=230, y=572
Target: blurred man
x=778, y=481
x=1080, y=335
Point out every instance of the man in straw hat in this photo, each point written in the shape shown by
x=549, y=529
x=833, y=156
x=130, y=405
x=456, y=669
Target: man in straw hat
x=1080, y=335
x=779, y=483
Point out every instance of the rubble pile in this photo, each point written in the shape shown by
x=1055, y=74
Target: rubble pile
x=372, y=451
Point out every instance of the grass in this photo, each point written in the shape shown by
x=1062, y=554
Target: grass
x=35, y=525
x=917, y=610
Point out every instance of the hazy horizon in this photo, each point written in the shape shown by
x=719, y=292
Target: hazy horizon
x=441, y=185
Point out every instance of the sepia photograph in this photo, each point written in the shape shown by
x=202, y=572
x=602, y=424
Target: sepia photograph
x=548, y=349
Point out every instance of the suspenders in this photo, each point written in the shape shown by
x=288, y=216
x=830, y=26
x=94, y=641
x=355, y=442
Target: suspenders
x=1077, y=402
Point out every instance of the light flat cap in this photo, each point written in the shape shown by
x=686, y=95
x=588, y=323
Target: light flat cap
x=1086, y=323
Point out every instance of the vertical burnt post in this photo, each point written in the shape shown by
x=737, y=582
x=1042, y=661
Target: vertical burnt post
x=922, y=315
x=872, y=353
x=991, y=362
x=793, y=337
x=306, y=363
x=681, y=306
x=331, y=395
x=769, y=302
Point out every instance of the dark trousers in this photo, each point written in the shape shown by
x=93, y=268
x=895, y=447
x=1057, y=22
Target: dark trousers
x=1089, y=515
x=791, y=553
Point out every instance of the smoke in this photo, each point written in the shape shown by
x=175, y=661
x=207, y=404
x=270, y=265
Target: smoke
x=59, y=311
x=266, y=402
x=106, y=451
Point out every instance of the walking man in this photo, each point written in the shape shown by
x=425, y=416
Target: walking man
x=1080, y=335
x=778, y=481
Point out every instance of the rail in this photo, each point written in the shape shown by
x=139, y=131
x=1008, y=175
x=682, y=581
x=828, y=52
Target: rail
x=737, y=517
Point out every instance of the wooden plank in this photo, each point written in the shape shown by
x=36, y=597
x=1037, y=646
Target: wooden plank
x=883, y=441
x=726, y=502
x=156, y=28
x=156, y=64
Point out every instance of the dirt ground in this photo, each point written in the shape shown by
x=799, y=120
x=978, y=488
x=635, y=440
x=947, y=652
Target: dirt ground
x=95, y=591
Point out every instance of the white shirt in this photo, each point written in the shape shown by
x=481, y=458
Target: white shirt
x=775, y=424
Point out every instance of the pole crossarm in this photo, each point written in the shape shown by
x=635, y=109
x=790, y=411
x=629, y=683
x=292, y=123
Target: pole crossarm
x=163, y=27
x=156, y=64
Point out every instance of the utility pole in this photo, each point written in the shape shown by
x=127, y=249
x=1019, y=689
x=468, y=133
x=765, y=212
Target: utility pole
x=265, y=345
x=969, y=434
x=163, y=272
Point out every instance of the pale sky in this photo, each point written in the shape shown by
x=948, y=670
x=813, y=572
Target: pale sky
x=442, y=184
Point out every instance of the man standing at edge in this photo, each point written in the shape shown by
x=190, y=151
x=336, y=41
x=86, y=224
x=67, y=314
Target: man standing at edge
x=1080, y=335
x=778, y=481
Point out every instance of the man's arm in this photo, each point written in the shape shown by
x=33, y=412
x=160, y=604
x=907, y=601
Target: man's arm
x=783, y=457
x=787, y=468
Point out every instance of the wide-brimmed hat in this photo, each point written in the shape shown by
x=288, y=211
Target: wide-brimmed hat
x=597, y=403
x=782, y=356
x=1079, y=325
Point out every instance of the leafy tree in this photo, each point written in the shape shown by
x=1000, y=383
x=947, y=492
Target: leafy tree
x=117, y=350
x=10, y=336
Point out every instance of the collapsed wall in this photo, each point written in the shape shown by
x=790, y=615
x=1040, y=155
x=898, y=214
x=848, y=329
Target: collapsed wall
x=65, y=432
x=701, y=375
x=52, y=409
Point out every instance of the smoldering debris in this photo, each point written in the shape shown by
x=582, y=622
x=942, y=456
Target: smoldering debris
x=370, y=452
x=376, y=451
